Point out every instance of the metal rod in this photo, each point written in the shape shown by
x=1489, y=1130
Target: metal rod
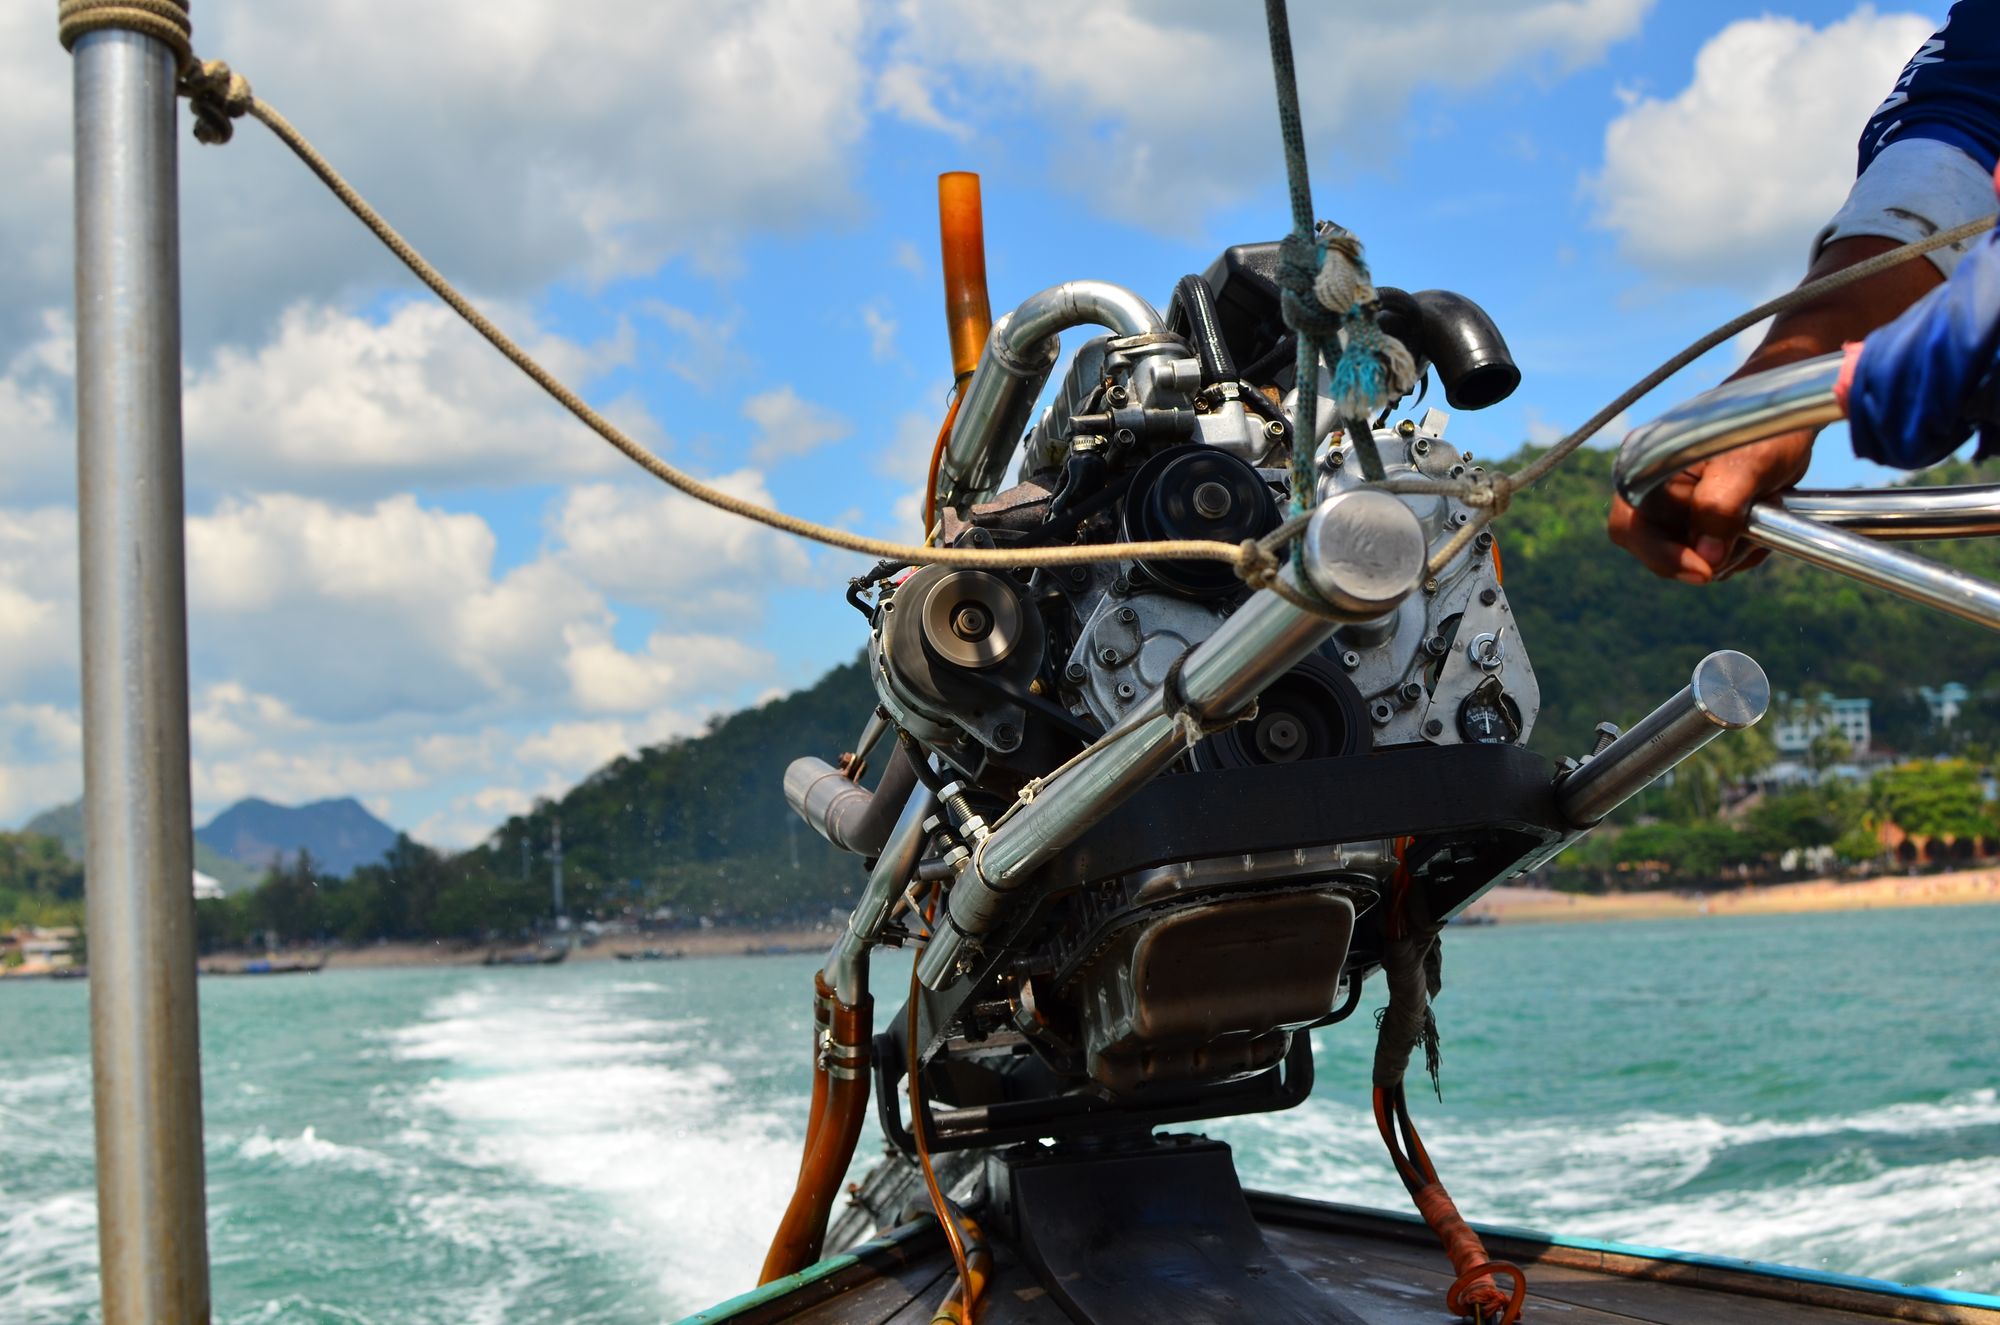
x=1363, y=552
x=1971, y=511
x=1900, y=573
x=847, y=964
x=1750, y=409
x=1728, y=691
x=139, y=859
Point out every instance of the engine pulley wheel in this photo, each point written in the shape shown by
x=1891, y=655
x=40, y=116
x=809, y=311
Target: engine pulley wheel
x=972, y=618
x=1311, y=712
x=1197, y=492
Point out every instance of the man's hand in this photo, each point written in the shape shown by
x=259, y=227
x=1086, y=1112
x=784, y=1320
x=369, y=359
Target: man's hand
x=1691, y=527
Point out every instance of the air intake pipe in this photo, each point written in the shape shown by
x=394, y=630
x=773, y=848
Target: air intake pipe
x=843, y=812
x=1458, y=339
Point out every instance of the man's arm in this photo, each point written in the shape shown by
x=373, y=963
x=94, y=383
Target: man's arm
x=1690, y=528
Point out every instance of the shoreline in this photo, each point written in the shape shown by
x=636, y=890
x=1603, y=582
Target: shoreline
x=673, y=946
x=1519, y=906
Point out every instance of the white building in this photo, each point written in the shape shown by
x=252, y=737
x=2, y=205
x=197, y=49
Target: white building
x=1945, y=702
x=1800, y=724
x=207, y=888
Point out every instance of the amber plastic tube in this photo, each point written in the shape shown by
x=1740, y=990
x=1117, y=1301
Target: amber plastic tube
x=962, y=232
x=802, y=1233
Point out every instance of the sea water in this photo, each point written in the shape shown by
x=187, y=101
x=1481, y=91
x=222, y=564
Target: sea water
x=612, y=1142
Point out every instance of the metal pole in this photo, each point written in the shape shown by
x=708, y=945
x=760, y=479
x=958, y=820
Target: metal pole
x=139, y=859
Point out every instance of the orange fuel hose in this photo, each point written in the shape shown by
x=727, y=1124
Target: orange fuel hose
x=959, y=1302
x=966, y=1292
x=1473, y=1293
x=937, y=458
x=816, y=1110
x=802, y=1232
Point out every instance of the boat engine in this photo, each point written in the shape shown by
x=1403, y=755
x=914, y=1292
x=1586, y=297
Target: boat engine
x=1216, y=880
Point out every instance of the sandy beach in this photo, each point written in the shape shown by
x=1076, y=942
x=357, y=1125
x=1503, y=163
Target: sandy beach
x=719, y=942
x=1513, y=906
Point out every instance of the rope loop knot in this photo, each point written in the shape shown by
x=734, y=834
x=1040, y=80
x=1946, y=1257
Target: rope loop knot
x=166, y=21
x=216, y=95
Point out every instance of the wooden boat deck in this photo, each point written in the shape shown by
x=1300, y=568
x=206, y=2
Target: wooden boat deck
x=1387, y=1270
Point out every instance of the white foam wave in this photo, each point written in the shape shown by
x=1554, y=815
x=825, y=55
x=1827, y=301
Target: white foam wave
x=1635, y=1179
x=309, y=1148
x=632, y=1114
x=48, y=1257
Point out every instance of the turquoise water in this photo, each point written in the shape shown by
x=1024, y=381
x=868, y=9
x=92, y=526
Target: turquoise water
x=611, y=1143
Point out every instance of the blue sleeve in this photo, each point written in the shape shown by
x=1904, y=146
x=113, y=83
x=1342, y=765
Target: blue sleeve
x=1925, y=381
x=1949, y=91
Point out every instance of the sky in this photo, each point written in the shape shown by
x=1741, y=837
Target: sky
x=414, y=580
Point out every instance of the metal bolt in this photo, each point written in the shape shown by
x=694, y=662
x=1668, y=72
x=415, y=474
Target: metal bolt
x=1211, y=500
x=1075, y=672
x=1274, y=429
x=1431, y=585
x=971, y=623
x=1350, y=660
x=1125, y=690
x=1108, y=656
x=1335, y=458
x=1127, y=615
x=1381, y=711
x=1125, y=437
x=1121, y=586
x=1411, y=692
x=1406, y=430
x=1006, y=736
x=1483, y=543
x=1432, y=727
x=1435, y=646
x=1459, y=519
x=1458, y=471
x=933, y=822
x=1488, y=597
x=1607, y=732
x=1117, y=395
x=1420, y=448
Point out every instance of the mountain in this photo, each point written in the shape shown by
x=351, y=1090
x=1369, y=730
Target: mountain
x=338, y=834
x=65, y=824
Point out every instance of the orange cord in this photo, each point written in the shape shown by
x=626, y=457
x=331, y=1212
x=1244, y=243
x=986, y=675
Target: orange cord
x=1474, y=1292
x=968, y=1293
x=937, y=458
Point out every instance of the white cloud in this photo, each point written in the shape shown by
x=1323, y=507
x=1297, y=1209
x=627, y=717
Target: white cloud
x=906, y=462
x=1358, y=65
x=41, y=758
x=348, y=406
x=606, y=679
x=1727, y=180
x=904, y=91
x=38, y=622
x=881, y=332
x=37, y=440
x=609, y=136
x=653, y=546
x=788, y=425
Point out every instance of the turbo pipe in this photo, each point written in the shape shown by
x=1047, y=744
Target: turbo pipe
x=1020, y=353
x=1363, y=553
x=843, y=812
x=1898, y=514
x=1911, y=577
x=1728, y=691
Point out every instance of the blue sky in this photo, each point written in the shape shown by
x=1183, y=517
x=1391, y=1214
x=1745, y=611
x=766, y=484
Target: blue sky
x=414, y=581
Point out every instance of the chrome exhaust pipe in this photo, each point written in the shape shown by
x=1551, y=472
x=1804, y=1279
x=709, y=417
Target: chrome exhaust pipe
x=1727, y=692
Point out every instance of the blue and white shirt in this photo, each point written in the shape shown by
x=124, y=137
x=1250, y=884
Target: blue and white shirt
x=1928, y=153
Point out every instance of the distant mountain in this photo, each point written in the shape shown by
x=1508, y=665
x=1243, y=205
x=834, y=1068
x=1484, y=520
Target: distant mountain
x=65, y=824
x=338, y=834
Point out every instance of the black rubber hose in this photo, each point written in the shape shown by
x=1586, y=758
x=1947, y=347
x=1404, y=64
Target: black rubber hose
x=1197, y=301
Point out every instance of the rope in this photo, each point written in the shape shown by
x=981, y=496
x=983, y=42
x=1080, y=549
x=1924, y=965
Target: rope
x=220, y=95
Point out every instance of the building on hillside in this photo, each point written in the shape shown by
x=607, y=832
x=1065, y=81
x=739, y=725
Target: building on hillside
x=45, y=949
x=1945, y=702
x=1801, y=723
x=207, y=888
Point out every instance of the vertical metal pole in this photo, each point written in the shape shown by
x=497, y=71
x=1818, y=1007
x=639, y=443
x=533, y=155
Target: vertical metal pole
x=145, y=1046
x=555, y=873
